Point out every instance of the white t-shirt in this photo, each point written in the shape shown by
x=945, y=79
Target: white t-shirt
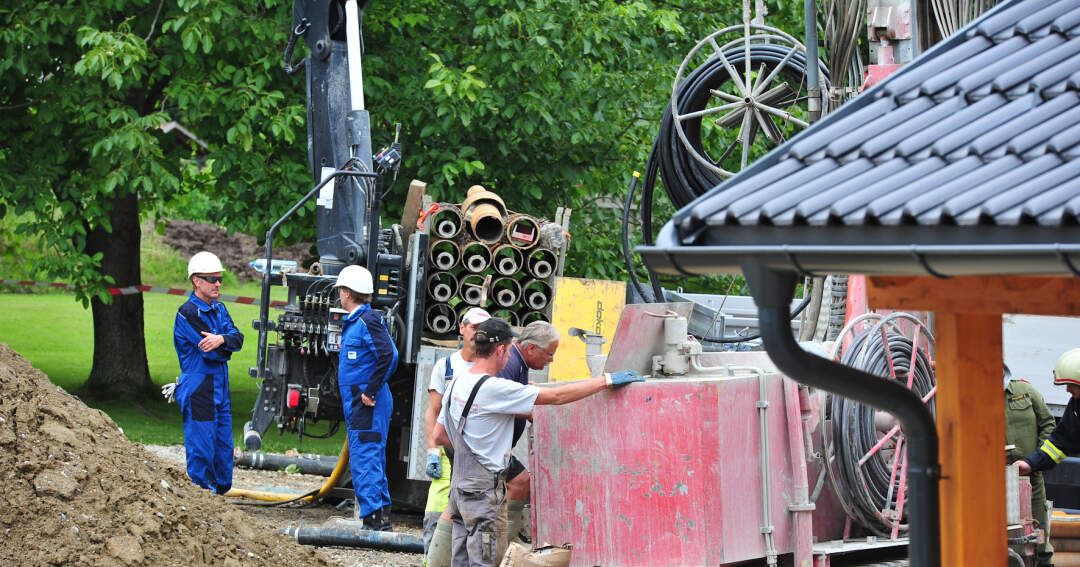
x=458, y=365
x=490, y=427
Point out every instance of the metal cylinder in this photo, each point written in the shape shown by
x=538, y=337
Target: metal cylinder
x=675, y=330
x=522, y=231
x=446, y=222
x=507, y=315
x=444, y=254
x=476, y=257
x=442, y=286
x=541, y=263
x=485, y=214
x=532, y=316
x=439, y=318
x=506, y=260
x=535, y=294
x=321, y=465
x=506, y=291
x=347, y=534
x=471, y=289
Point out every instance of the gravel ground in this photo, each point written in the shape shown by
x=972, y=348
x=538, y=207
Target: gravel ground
x=286, y=516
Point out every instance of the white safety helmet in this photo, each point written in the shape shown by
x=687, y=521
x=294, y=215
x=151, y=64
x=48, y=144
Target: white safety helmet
x=1067, y=369
x=356, y=278
x=203, y=263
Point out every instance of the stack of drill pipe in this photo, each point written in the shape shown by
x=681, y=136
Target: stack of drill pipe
x=484, y=255
x=1065, y=537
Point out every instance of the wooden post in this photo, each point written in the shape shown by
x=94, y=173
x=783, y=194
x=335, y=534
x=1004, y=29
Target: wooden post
x=971, y=424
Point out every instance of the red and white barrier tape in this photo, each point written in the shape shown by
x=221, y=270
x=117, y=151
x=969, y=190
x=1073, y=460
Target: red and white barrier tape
x=131, y=290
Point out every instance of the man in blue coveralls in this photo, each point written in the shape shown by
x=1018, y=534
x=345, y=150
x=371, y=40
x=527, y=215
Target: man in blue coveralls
x=367, y=359
x=205, y=338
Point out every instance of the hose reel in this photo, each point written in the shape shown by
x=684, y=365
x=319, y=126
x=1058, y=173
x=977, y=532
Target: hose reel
x=867, y=456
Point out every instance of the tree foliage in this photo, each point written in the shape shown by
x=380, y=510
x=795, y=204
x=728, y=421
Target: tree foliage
x=548, y=102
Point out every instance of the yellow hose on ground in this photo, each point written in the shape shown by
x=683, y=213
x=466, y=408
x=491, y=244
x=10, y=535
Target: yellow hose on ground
x=342, y=466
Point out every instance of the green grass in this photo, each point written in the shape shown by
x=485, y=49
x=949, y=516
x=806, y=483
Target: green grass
x=55, y=334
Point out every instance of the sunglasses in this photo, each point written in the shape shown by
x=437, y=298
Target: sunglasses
x=209, y=279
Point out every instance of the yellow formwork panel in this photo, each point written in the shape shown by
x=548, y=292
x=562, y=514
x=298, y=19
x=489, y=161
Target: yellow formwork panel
x=592, y=305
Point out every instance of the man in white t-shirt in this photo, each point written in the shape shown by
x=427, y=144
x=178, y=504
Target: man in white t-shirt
x=437, y=525
x=477, y=420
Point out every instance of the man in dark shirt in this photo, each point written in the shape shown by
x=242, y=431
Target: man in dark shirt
x=534, y=348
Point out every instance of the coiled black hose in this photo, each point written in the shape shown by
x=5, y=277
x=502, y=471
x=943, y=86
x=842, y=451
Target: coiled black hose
x=864, y=489
x=685, y=178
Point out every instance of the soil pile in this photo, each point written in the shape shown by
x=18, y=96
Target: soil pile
x=235, y=250
x=77, y=492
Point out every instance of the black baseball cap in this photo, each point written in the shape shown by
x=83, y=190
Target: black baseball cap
x=493, y=330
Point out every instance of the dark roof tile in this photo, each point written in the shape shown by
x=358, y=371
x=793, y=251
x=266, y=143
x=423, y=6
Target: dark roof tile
x=1068, y=23
x=1003, y=21
x=1011, y=54
x=934, y=131
x=883, y=123
x=1000, y=136
x=1030, y=68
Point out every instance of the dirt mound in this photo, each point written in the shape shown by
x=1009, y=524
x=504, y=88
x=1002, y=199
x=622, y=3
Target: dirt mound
x=77, y=492
x=235, y=250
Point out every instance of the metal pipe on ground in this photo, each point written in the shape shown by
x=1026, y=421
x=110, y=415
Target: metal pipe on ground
x=324, y=490
x=350, y=536
x=320, y=465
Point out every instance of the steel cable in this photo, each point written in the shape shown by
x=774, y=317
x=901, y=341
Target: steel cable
x=865, y=489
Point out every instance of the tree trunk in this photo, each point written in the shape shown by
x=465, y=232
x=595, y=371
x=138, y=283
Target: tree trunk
x=120, y=371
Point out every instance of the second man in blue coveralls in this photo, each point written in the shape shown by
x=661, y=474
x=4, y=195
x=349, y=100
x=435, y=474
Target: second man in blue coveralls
x=205, y=338
x=366, y=361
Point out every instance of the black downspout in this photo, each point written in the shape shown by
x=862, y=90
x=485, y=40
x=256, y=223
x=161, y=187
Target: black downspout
x=773, y=291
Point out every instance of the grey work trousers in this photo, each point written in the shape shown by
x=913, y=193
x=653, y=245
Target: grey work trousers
x=479, y=516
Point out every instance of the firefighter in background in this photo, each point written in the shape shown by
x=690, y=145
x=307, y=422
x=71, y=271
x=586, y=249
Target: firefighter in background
x=366, y=360
x=1028, y=423
x=205, y=338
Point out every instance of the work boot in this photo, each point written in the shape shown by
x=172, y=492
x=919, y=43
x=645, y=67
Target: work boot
x=379, y=520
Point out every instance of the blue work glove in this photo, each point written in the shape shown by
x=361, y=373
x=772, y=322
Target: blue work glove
x=434, y=463
x=616, y=379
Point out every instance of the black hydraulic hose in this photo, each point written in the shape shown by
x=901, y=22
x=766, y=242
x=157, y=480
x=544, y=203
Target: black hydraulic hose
x=684, y=177
x=773, y=291
x=854, y=429
x=625, y=233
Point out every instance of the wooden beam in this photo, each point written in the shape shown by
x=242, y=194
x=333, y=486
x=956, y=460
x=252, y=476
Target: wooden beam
x=977, y=294
x=971, y=425
x=413, y=201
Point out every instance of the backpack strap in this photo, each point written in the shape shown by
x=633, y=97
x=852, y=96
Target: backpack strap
x=448, y=370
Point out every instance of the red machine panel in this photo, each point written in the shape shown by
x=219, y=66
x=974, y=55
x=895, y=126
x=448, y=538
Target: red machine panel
x=665, y=473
